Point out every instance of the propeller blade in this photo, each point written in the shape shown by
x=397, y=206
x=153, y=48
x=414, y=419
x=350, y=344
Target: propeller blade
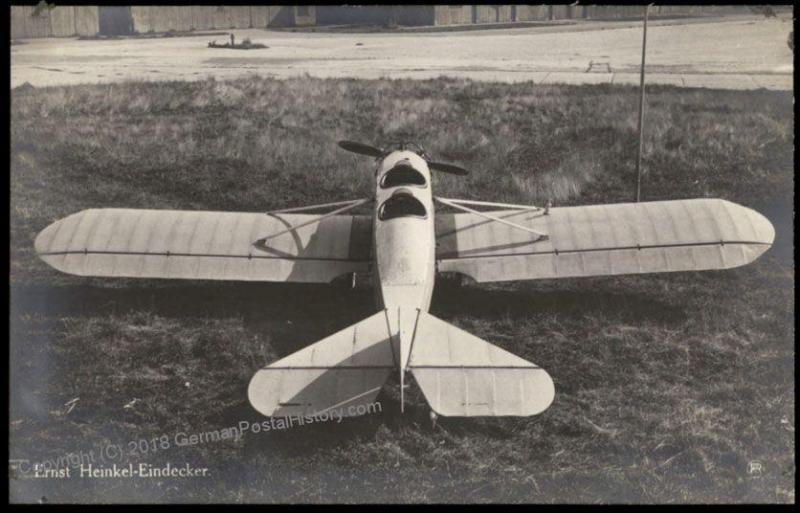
x=362, y=149
x=447, y=168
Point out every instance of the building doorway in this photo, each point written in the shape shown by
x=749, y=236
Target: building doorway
x=115, y=20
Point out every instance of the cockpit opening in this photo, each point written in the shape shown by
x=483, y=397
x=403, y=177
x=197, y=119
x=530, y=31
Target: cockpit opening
x=402, y=204
x=403, y=174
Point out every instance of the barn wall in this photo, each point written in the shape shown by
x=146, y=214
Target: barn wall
x=259, y=16
x=222, y=17
x=141, y=18
x=636, y=11
x=281, y=16
x=305, y=15
x=184, y=18
x=263, y=16
x=62, y=21
x=533, y=12
x=39, y=25
x=240, y=16
x=24, y=24
x=202, y=17
x=457, y=14
x=452, y=14
x=484, y=13
x=17, y=21
x=616, y=11
x=414, y=15
x=66, y=21
x=87, y=20
x=163, y=18
x=354, y=14
x=559, y=12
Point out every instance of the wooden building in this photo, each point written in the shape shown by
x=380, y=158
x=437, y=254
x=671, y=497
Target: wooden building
x=63, y=21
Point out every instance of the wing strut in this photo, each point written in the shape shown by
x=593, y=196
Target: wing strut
x=458, y=204
x=349, y=205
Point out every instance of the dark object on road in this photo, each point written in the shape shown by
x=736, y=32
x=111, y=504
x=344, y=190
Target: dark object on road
x=246, y=44
x=791, y=40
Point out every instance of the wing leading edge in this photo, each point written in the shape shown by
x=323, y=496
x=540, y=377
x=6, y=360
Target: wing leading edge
x=205, y=245
x=596, y=240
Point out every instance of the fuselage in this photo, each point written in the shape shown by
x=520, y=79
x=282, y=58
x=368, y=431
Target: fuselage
x=403, y=233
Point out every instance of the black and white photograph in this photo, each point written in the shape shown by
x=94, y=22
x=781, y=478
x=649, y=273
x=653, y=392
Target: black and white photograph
x=401, y=254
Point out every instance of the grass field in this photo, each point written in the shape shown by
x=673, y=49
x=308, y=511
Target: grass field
x=669, y=387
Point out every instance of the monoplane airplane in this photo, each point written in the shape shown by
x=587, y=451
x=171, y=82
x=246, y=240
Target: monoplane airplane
x=403, y=244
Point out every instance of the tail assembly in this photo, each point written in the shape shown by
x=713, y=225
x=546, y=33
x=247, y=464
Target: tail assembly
x=464, y=376
x=459, y=374
x=341, y=371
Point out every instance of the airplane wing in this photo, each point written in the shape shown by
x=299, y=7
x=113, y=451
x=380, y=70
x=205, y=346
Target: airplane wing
x=596, y=240
x=206, y=245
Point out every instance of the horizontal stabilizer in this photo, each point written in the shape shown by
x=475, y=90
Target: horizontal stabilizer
x=464, y=376
x=341, y=372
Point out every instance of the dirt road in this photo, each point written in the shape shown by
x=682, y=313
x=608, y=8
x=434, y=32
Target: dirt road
x=729, y=53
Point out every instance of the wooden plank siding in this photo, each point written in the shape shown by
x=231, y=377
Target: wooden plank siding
x=66, y=21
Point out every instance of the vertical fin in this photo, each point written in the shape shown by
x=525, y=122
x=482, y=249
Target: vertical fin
x=406, y=334
x=402, y=366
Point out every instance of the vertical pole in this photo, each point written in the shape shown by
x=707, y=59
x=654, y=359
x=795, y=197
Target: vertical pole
x=641, y=110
